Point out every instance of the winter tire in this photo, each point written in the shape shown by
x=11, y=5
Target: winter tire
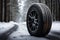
x=39, y=20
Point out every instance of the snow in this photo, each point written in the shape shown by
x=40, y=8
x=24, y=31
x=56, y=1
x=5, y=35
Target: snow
x=5, y=26
x=22, y=33
x=55, y=26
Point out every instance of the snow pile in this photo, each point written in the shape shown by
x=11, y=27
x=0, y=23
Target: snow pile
x=55, y=26
x=5, y=26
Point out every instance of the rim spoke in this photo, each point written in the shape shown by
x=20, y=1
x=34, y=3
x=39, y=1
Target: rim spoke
x=36, y=19
x=31, y=17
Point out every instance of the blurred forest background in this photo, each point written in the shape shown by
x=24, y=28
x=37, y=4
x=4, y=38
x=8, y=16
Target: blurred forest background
x=16, y=10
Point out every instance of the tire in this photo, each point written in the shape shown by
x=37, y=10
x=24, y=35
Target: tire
x=39, y=20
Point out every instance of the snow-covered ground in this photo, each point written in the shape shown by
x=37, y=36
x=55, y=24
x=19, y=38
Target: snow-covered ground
x=22, y=34
x=56, y=26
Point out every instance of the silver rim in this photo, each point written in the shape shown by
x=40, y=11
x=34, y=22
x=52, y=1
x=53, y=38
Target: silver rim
x=33, y=20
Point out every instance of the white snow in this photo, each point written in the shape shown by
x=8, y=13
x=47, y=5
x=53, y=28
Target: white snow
x=55, y=26
x=5, y=26
x=22, y=32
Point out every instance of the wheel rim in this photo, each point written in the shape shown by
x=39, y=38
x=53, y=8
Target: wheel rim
x=33, y=21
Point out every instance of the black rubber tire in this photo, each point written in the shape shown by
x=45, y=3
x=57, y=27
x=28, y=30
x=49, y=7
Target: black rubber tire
x=44, y=20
